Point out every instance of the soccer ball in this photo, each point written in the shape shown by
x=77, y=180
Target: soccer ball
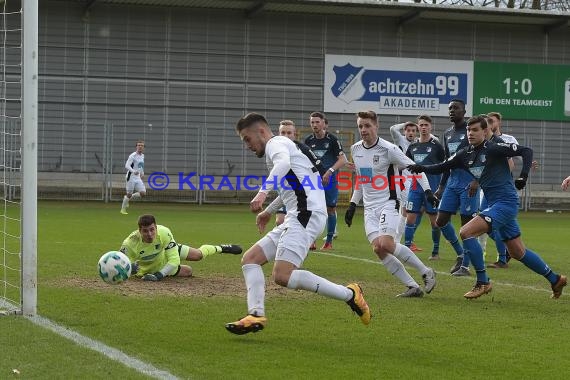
x=114, y=267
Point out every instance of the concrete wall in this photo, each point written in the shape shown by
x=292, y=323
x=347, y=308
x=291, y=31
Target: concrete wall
x=180, y=77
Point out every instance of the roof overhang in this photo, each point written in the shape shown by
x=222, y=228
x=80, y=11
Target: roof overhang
x=402, y=12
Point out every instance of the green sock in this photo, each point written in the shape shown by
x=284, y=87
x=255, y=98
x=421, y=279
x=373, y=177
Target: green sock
x=208, y=249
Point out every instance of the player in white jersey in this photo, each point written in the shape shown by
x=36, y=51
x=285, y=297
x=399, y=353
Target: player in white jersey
x=287, y=128
x=377, y=183
x=565, y=183
x=297, y=181
x=496, y=128
x=497, y=118
x=135, y=172
x=403, y=135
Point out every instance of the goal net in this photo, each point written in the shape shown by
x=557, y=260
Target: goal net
x=18, y=156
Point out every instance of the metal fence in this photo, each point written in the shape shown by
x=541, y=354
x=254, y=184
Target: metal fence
x=200, y=181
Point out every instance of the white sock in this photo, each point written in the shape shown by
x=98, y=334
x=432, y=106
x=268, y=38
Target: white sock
x=136, y=195
x=255, y=285
x=483, y=241
x=303, y=279
x=125, y=202
x=396, y=268
x=401, y=228
x=406, y=256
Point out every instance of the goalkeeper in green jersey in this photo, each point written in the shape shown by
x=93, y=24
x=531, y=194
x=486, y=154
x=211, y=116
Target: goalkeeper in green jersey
x=155, y=254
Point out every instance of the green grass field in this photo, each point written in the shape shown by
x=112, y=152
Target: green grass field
x=516, y=332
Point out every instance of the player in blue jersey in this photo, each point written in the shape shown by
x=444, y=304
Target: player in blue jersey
x=494, y=120
x=336, y=228
x=426, y=151
x=329, y=150
x=488, y=163
x=456, y=188
x=492, y=136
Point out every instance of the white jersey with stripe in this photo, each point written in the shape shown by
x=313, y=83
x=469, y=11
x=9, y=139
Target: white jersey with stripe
x=380, y=162
x=508, y=138
x=135, y=163
x=400, y=140
x=298, y=185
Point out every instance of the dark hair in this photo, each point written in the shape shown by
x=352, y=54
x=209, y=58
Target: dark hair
x=459, y=101
x=482, y=119
x=319, y=114
x=146, y=220
x=495, y=114
x=368, y=115
x=412, y=124
x=250, y=119
x=426, y=118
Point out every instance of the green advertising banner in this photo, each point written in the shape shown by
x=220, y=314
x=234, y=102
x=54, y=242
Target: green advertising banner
x=522, y=91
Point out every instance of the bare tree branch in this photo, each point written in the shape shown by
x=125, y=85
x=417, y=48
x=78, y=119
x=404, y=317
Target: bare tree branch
x=552, y=5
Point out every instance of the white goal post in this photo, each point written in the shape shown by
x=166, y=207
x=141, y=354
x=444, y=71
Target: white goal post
x=18, y=156
x=29, y=155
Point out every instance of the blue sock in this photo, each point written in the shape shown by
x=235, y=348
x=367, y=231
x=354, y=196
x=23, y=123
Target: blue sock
x=409, y=234
x=502, y=249
x=535, y=263
x=418, y=220
x=435, y=237
x=474, y=250
x=331, y=225
x=466, y=256
x=449, y=234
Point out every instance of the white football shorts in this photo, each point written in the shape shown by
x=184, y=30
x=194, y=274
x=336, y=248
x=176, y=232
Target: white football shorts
x=290, y=241
x=381, y=221
x=404, y=193
x=135, y=184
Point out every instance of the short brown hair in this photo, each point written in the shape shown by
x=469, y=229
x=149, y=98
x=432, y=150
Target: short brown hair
x=250, y=119
x=146, y=220
x=368, y=115
x=286, y=122
x=426, y=118
x=496, y=115
x=482, y=119
x=412, y=124
x=318, y=114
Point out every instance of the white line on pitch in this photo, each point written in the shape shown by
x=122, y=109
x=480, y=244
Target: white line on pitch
x=110, y=352
x=441, y=273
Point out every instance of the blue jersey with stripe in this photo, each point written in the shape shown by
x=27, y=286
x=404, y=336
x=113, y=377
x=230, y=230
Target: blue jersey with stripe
x=488, y=163
x=427, y=153
x=454, y=139
x=327, y=149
